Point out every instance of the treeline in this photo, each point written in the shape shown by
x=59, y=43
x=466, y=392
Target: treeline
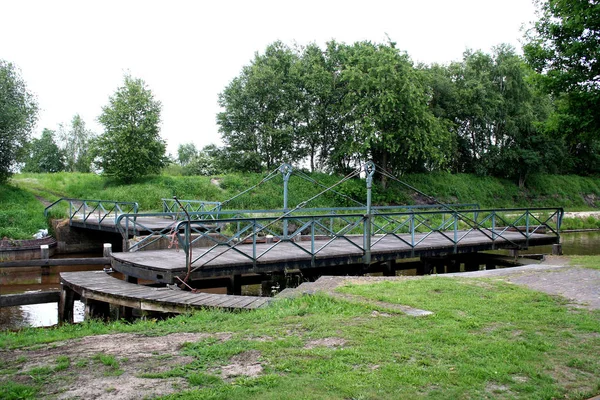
x=335, y=107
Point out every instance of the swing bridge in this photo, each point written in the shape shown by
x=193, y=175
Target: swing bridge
x=196, y=241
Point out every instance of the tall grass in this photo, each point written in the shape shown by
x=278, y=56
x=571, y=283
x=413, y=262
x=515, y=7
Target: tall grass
x=571, y=192
x=21, y=214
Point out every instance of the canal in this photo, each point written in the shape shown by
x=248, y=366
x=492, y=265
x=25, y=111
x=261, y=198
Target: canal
x=31, y=279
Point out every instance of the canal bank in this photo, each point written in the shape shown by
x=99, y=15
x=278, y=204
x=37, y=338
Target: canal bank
x=35, y=280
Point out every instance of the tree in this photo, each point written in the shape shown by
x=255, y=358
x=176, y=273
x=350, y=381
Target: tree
x=76, y=144
x=492, y=106
x=564, y=46
x=186, y=152
x=18, y=115
x=388, y=100
x=131, y=145
x=260, y=108
x=44, y=155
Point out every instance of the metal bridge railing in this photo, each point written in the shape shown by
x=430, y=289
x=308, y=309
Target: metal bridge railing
x=192, y=207
x=135, y=224
x=254, y=238
x=86, y=210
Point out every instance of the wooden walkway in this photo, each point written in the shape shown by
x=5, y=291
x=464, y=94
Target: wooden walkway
x=165, y=265
x=100, y=287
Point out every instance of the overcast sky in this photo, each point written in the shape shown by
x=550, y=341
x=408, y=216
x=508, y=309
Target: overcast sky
x=73, y=54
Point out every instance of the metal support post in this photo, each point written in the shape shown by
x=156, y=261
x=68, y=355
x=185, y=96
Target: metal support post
x=370, y=171
x=286, y=171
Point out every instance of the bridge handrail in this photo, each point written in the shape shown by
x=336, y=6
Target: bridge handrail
x=88, y=208
x=170, y=205
x=493, y=223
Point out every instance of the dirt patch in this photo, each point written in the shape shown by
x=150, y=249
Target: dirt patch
x=89, y=378
x=325, y=342
x=243, y=364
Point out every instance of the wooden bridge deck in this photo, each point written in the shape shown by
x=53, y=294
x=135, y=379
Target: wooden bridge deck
x=99, y=286
x=165, y=265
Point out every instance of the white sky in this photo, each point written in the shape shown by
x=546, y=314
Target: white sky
x=73, y=54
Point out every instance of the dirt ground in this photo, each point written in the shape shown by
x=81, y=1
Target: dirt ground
x=136, y=354
x=139, y=354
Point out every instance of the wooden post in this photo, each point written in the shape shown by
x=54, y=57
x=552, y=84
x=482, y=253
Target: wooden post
x=45, y=255
x=65, y=305
x=107, y=253
x=557, y=249
x=107, y=250
x=513, y=253
x=235, y=285
x=388, y=268
x=96, y=309
x=45, y=252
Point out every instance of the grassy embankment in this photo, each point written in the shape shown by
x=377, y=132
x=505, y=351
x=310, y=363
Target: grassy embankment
x=571, y=192
x=486, y=339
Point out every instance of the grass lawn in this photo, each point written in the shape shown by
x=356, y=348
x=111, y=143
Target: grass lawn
x=486, y=339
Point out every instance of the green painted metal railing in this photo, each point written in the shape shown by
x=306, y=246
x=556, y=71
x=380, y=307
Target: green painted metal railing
x=192, y=207
x=84, y=210
x=408, y=228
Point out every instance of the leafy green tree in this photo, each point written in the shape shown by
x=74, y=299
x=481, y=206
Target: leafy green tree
x=564, y=46
x=76, y=144
x=186, y=152
x=497, y=115
x=260, y=107
x=131, y=145
x=391, y=118
x=44, y=155
x=18, y=115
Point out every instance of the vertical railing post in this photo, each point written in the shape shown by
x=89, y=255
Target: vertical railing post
x=286, y=171
x=412, y=230
x=370, y=171
x=455, y=228
x=254, y=242
x=312, y=241
x=493, y=225
x=188, y=245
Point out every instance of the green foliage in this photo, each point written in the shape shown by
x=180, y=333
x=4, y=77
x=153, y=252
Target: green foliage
x=21, y=214
x=18, y=114
x=44, y=154
x=260, y=107
x=131, y=146
x=17, y=391
x=337, y=106
x=186, y=152
x=496, y=114
x=592, y=262
x=76, y=143
x=563, y=46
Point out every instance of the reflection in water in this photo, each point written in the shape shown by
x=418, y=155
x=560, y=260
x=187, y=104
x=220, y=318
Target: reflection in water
x=24, y=280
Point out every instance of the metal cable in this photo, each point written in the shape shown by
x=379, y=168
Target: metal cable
x=299, y=206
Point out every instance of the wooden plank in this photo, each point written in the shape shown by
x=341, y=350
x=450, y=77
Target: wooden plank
x=22, y=299
x=261, y=301
x=202, y=301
